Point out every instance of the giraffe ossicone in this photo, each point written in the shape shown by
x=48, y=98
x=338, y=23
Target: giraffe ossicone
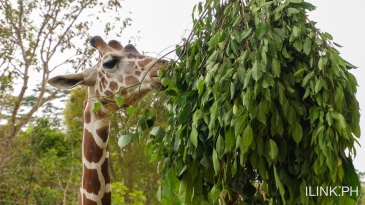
x=122, y=71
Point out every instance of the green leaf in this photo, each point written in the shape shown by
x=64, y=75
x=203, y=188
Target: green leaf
x=198, y=190
x=159, y=193
x=256, y=71
x=278, y=184
x=297, y=132
x=261, y=115
x=298, y=45
x=273, y=149
x=220, y=145
x=351, y=178
x=185, y=189
x=194, y=136
x=200, y=85
x=214, y=193
x=260, y=30
x=245, y=33
x=329, y=119
x=216, y=164
x=321, y=63
x=212, y=57
x=318, y=86
x=307, y=46
x=296, y=31
x=328, y=36
x=214, y=110
x=306, y=5
x=97, y=105
x=336, y=44
x=229, y=139
x=235, y=35
x=124, y=140
x=276, y=69
x=184, y=114
x=296, y=1
x=119, y=100
x=292, y=11
x=232, y=89
x=205, y=161
x=240, y=125
x=234, y=47
x=131, y=110
x=247, y=136
x=165, y=81
x=267, y=4
x=342, y=121
x=307, y=78
x=299, y=72
x=157, y=131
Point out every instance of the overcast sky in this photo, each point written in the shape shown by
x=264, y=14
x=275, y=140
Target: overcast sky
x=162, y=23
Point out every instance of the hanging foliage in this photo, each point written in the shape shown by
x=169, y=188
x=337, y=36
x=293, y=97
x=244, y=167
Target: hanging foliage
x=261, y=106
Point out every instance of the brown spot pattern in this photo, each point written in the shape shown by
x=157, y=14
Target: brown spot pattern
x=100, y=114
x=128, y=72
x=138, y=73
x=108, y=75
x=92, y=151
x=105, y=171
x=120, y=78
x=103, y=133
x=92, y=184
x=103, y=82
x=144, y=62
x=107, y=198
x=101, y=87
x=87, y=113
x=131, y=80
x=123, y=92
x=108, y=93
x=113, y=86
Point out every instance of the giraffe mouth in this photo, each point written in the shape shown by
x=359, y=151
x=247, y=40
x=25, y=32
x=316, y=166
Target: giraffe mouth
x=154, y=77
x=156, y=82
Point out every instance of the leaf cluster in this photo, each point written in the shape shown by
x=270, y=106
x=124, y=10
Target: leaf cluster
x=262, y=105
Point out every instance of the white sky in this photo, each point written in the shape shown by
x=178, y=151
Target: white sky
x=162, y=23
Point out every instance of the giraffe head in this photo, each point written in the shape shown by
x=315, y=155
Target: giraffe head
x=122, y=71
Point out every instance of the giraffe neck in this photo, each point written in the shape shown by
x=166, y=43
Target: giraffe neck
x=95, y=185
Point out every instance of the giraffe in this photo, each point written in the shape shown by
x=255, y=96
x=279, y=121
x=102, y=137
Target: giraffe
x=121, y=71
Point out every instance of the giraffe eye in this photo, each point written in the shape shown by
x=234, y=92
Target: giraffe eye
x=111, y=63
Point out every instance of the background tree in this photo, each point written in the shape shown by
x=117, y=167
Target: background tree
x=31, y=32
x=261, y=105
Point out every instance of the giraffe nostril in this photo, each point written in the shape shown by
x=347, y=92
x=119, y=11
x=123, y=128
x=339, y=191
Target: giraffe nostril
x=111, y=63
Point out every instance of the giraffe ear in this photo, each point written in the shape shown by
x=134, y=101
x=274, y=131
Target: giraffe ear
x=71, y=80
